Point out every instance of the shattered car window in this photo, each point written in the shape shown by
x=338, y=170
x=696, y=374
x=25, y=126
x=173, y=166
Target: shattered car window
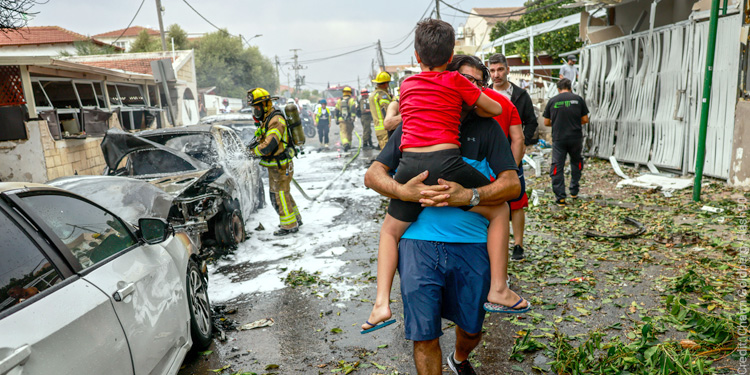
x=148, y=162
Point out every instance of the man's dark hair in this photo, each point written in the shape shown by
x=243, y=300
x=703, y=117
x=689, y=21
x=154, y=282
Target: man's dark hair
x=498, y=58
x=564, y=84
x=472, y=61
x=434, y=41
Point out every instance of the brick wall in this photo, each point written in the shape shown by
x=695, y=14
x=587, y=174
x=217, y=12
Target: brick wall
x=69, y=156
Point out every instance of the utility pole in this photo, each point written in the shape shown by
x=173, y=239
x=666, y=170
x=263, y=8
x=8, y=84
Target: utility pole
x=381, y=59
x=161, y=26
x=437, y=9
x=278, y=75
x=298, y=81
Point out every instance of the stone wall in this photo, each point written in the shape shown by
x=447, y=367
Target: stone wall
x=23, y=160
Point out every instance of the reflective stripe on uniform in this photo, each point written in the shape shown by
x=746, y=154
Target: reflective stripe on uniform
x=288, y=217
x=273, y=163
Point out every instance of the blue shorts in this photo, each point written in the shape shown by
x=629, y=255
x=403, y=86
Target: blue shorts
x=442, y=280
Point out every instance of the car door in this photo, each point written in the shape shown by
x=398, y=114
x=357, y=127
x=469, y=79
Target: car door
x=51, y=320
x=241, y=167
x=142, y=282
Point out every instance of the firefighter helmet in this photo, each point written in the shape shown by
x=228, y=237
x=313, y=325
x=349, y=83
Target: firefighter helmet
x=347, y=89
x=382, y=77
x=364, y=92
x=258, y=95
x=322, y=101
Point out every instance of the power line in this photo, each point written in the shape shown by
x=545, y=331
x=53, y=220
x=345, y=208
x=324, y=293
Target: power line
x=339, y=55
x=429, y=6
x=198, y=13
x=130, y=23
x=399, y=52
x=515, y=13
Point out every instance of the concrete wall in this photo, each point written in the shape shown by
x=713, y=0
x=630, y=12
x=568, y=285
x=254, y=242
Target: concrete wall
x=37, y=50
x=667, y=12
x=739, y=171
x=67, y=157
x=23, y=160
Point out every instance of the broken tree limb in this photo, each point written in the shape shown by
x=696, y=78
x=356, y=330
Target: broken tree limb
x=628, y=220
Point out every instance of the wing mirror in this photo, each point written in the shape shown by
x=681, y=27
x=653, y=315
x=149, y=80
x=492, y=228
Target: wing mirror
x=153, y=230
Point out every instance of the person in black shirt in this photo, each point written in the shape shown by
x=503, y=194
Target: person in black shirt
x=566, y=113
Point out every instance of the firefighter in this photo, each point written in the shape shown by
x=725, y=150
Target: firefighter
x=379, y=101
x=275, y=149
x=346, y=109
x=323, y=122
x=365, y=117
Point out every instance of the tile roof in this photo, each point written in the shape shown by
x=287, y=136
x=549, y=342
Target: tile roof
x=142, y=66
x=130, y=31
x=42, y=35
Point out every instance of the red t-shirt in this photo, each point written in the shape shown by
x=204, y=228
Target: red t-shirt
x=430, y=107
x=510, y=116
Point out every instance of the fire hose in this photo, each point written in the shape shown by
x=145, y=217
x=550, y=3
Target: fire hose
x=356, y=154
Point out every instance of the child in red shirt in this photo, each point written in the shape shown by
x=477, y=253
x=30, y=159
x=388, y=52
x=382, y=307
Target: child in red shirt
x=430, y=105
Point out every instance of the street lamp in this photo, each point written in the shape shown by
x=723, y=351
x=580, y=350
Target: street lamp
x=253, y=37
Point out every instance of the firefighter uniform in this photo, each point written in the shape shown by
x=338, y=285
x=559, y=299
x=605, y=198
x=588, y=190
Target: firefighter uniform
x=276, y=152
x=346, y=109
x=323, y=122
x=365, y=116
x=379, y=101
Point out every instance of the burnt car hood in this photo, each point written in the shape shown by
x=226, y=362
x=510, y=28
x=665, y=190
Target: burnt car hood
x=117, y=144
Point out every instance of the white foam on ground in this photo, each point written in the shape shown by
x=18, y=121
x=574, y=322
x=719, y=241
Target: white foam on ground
x=311, y=248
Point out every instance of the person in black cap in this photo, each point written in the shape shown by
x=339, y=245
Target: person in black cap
x=570, y=71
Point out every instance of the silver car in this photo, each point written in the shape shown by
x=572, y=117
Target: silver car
x=84, y=292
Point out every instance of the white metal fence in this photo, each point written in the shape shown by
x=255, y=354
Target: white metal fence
x=644, y=92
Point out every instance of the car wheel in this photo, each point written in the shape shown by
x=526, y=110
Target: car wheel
x=230, y=228
x=201, y=323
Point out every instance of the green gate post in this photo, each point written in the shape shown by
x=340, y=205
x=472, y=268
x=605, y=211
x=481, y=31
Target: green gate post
x=700, y=157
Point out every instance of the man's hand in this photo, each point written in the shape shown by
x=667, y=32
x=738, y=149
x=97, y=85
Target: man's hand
x=414, y=190
x=450, y=194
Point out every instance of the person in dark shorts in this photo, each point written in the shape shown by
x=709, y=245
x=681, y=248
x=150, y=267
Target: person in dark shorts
x=566, y=113
x=443, y=259
x=430, y=105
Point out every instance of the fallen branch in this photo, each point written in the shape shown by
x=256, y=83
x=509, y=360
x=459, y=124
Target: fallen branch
x=639, y=231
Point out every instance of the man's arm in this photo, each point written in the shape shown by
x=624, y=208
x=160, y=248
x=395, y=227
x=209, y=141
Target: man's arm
x=528, y=118
x=547, y=122
x=585, y=119
x=378, y=179
x=392, y=116
x=517, y=143
x=505, y=187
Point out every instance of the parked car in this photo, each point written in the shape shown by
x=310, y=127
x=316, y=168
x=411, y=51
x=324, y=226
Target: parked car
x=83, y=291
x=214, y=184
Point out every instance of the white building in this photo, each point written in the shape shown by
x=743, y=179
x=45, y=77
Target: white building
x=475, y=32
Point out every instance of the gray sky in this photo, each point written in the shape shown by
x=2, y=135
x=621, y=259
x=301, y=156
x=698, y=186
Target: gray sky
x=320, y=28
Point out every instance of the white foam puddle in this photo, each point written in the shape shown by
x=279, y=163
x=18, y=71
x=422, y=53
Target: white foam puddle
x=311, y=248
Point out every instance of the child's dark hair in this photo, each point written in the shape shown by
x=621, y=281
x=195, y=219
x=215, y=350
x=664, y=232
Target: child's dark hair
x=434, y=41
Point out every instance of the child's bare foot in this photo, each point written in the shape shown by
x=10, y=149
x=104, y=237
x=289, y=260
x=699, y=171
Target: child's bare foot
x=380, y=313
x=506, y=297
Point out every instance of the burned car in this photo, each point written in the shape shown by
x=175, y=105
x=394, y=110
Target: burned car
x=213, y=183
x=242, y=123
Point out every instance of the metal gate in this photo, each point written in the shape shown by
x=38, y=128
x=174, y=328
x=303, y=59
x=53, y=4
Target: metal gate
x=644, y=93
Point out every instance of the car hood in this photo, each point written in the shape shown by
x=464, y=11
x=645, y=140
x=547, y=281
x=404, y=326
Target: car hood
x=117, y=144
x=128, y=198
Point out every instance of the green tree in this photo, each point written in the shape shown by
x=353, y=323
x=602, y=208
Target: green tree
x=145, y=43
x=179, y=36
x=553, y=43
x=222, y=61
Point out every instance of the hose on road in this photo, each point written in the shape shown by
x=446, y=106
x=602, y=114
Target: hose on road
x=356, y=154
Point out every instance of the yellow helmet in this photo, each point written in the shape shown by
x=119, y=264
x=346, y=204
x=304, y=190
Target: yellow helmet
x=258, y=95
x=382, y=77
x=347, y=89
